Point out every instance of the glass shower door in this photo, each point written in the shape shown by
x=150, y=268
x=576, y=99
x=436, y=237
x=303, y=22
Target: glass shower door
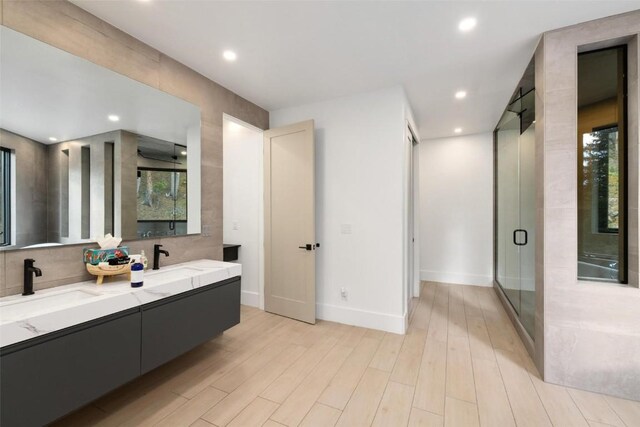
x=516, y=214
x=508, y=254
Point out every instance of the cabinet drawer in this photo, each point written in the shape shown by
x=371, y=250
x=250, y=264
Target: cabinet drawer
x=176, y=325
x=45, y=380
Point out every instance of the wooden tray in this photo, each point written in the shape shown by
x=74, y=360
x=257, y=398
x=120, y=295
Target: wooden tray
x=108, y=270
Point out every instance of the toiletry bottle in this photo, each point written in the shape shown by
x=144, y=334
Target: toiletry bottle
x=137, y=274
x=143, y=260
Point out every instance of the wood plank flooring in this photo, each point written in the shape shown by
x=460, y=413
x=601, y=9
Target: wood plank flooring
x=460, y=364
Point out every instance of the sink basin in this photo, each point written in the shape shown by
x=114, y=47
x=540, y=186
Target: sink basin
x=28, y=305
x=171, y=275
x=207, y=266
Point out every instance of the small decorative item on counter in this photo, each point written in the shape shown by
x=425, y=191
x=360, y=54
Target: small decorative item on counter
x=144, y=260
x=108, y=250
x=137, y=274
x=108, y=242
x=119, y=260
x=96, y=256
x=109, y=260
x=104, y=269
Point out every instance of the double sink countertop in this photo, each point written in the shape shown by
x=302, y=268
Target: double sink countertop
x=50, y=310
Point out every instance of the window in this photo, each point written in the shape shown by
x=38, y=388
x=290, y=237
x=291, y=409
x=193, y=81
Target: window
x=602, y=165
x=5, y=197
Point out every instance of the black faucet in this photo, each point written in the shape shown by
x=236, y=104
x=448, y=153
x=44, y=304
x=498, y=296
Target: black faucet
x=29, y=270
x=156, y=256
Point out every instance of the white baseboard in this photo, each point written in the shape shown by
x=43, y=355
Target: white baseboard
x=416, y=288
x=366, y=319
x=456, y=278
x=250, y=298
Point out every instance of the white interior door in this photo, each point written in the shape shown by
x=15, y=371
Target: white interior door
x=410, y=217
x=411, y=192
x=290, y=239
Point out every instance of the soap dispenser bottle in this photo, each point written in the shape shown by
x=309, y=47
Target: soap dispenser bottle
x=137, y=274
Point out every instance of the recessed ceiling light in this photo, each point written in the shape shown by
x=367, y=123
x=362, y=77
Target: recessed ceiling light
x=113, y=118
x=53, y=139
x=461, y=94
x=457, y=130
x=184, y=153
x=229, y=55
x=467, y=24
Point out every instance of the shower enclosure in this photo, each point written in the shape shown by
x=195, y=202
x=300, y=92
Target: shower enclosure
x=515, y=197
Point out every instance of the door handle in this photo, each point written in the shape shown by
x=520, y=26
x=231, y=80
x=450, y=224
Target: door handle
x=515, y=234
x=308, y=247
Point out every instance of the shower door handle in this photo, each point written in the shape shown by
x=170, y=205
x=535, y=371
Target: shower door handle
x=515, y=235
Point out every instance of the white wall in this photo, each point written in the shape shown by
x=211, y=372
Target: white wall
x=243, y=204
x=359, y=205
x=456, y=209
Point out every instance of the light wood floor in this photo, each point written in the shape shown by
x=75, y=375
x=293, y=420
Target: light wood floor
x=460, y=364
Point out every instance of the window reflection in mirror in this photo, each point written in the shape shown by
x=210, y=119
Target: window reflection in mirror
x=5, y=197
x=602, y=240
x=76, y=164
x=161, y=188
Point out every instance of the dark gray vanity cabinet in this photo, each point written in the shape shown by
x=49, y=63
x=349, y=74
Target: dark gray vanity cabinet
x=48, y=377
x=177, y=324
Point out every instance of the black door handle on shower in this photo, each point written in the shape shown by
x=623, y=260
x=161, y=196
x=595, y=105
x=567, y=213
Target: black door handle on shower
x=308, y=247
x=515, y=234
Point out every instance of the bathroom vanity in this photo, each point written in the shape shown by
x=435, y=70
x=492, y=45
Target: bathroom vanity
x=65, y=347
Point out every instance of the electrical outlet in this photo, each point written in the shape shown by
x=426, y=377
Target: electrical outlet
x=344, y=293
x=345, y=228
x=206, y=231
x=235, y=225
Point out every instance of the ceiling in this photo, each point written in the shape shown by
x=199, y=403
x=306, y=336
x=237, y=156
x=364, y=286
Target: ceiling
x=296, y=52
x=49, y=93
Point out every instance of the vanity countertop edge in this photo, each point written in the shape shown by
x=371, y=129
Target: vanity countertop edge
x=111, y=297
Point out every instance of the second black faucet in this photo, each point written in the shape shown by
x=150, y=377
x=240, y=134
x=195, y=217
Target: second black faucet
x=29, y=271
x=156, y=256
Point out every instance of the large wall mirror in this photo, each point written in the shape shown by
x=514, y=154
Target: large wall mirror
x=85, y=151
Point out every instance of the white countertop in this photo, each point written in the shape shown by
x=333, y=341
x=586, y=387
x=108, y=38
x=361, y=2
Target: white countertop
x=50, y=310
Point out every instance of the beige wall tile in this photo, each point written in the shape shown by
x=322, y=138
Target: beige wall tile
x=57, y=266
x=585, y=309
x=560, y=70
x=588, y=328
x=66, y=26
x=560, y=179
x=560, y=234
x=211, y=144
